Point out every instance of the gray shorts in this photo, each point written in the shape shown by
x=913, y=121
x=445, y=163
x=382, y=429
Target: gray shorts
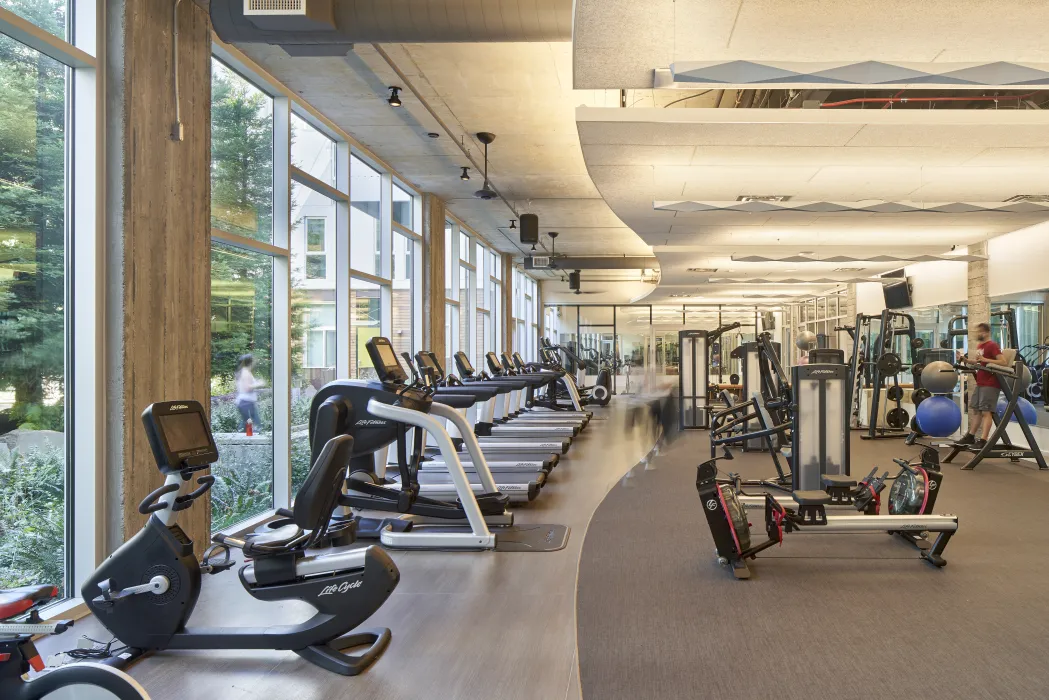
x=984, y=398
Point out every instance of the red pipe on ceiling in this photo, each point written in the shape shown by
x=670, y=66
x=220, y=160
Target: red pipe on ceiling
x=890, y=100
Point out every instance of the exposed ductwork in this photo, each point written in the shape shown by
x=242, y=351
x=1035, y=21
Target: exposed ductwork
x=598, y=262
x=331, y=27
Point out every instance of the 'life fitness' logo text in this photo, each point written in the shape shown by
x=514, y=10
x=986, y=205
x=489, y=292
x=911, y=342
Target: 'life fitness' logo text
x=712, y=504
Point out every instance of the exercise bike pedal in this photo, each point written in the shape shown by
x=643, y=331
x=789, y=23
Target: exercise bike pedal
x=209, y=567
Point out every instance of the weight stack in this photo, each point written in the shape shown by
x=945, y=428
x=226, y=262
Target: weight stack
x=820, y=438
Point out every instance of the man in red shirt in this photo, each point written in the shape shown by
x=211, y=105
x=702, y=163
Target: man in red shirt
x=984, y=400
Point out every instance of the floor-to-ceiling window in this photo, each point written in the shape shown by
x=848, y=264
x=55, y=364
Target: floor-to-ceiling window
x=483, y=317
x=45, y=109
x=467, y=316
x=495, y=295
x=369, y=261
x=451, y=294
x=406, y=270
x=242, y=296
x=318, y=232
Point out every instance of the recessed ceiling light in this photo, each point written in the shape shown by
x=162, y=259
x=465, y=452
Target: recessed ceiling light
x=793, y=269
x=433, y=134
x=848, y=269
x=808, y=252
x=702, y=269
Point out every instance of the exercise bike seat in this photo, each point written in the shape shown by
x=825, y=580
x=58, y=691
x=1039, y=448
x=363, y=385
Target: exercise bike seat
x=277, y=537
x=811, y=498
x=14, y=601
x=837, y=480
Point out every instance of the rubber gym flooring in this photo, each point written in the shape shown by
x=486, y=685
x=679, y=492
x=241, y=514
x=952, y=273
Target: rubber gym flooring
x=830, y=616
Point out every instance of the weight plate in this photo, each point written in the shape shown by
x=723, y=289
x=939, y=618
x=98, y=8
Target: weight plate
x=916, y=369
x=897, y=418
x=1034, y=391
x=918, y=343
x=889, y=364
x=915, y=428
x=894, y=393
x=919, y=395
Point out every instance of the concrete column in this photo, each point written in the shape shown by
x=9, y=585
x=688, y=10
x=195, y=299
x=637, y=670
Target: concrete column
x=508, y=302
x=158, y=244
x=433, y=275
x=979, y=300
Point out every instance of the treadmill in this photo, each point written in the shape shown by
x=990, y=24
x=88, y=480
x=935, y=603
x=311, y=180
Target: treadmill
x=505, y=412
x=506, y=455
x=436, y=480
x=504, y=366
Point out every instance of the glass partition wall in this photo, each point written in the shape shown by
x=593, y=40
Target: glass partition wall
x=628, y=340
x=313, y=252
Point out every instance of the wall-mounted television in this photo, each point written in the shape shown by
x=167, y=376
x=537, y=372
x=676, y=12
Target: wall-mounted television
x=897, y=296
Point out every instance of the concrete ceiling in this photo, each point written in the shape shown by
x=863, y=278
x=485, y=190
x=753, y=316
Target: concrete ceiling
x=659, y=33
x=641, y=158
x=520, y=91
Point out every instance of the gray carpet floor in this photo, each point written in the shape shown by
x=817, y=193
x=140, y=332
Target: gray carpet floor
x=832, y=616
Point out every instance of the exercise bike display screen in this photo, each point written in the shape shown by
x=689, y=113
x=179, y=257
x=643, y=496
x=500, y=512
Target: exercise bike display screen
x=185, y=431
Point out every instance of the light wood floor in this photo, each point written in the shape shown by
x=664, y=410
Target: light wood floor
x=465, y=625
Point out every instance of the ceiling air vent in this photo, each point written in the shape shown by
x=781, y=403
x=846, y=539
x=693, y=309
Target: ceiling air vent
x=848, y=269
x=763, y=198
x=274, y=7
x=707, y=270
x=1039, y=198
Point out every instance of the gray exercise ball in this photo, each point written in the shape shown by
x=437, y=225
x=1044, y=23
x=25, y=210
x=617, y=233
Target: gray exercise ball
x=939, y=377
x=806, y=340
x=1025, y=379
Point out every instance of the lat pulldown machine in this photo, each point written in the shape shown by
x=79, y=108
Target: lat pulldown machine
x=694, y=376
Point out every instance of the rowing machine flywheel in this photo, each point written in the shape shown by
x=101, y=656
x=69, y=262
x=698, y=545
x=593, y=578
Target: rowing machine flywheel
x=737, y=516
x=907, y=494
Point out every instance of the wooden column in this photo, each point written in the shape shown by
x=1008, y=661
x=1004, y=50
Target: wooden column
x=433, y=275
x=158, y=300
x=508, y=301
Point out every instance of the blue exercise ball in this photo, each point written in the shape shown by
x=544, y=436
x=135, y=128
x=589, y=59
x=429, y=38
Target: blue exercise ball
x=938, y=416
x=1027, y=408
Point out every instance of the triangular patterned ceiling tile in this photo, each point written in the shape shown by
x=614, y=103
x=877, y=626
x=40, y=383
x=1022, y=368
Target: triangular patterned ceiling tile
x=1024, y=208
x=735, y=72
x=823, y=207
x=1001, y=73
x=890, y=208
x=756, y=207
x=869, y=73
x=957, y=208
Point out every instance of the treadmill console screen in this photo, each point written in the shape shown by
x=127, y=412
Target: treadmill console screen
x=385, y=360
x=465, y=368
x=493, y=362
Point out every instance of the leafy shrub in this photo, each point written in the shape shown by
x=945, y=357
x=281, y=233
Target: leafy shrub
x=225, y=417
x=241, y=490
x=300, y=410
x=32, y=517
x=34, y=416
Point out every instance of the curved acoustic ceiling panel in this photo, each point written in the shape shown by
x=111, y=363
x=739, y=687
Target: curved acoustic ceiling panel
x=800, y=197
x=619, y=44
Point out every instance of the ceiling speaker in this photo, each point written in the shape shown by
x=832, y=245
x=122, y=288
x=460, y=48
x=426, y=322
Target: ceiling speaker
x=529, y=229
x=574, y=278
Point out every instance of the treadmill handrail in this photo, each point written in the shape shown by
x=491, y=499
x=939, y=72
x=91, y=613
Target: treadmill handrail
x=451, y=458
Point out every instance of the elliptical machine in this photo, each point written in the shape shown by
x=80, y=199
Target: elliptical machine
x=145, y=592
x=20, y=622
